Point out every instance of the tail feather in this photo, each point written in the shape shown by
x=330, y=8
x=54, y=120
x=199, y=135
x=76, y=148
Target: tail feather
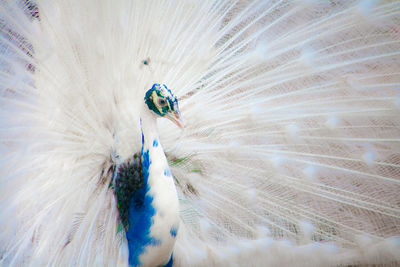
x=290, y=154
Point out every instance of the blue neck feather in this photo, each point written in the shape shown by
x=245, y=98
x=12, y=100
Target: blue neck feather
x=141, y=212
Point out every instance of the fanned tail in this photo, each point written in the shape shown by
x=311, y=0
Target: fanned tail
x=290, y=152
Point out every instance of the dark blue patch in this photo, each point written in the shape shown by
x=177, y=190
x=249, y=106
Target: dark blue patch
x=167, y=172
x=155, y=143
x=173, y=231
x=141, y=212
x=171, y=262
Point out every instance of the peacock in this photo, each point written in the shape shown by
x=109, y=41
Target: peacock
x=284, y=149
x=146, y=195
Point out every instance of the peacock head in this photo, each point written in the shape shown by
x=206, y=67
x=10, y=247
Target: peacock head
x=163, y=103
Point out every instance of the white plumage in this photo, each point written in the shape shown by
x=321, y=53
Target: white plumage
x=290, y=154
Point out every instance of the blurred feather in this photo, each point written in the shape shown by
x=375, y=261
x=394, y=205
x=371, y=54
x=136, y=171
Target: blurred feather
x=291, y=151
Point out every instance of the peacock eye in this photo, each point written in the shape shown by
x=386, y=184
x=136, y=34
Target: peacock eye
x=162, y=102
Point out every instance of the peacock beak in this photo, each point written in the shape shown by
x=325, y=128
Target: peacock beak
x=176, y=118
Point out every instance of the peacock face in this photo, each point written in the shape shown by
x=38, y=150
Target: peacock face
x=163, y=103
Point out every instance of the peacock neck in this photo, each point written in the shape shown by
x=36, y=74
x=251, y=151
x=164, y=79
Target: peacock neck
x=157, y=220
x=155, y=166
x=148, y=124
x=153, y=155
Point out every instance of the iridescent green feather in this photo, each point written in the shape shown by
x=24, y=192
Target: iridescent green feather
x=129, y=179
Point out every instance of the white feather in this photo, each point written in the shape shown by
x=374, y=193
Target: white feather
x=292, y=125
